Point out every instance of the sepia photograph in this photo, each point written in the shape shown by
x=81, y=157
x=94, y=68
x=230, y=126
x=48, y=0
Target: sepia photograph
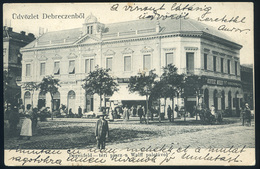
x=144, y=84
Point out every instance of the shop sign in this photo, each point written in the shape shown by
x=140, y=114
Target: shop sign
x=220, y=82
x=123, y=80
x=192, y=99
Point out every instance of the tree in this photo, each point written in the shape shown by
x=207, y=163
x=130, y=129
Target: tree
x=143, y=85
x=192, y=87
x=173, y=82
x=31, y=86
x=7, y=88
x=100, y=82
x=49, y=85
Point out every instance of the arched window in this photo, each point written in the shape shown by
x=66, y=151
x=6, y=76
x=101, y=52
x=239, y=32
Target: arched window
x=27, y=98
x=229, y=100
x=215, y=98
x=71, y=101
x=206, y=97
x=223, y=100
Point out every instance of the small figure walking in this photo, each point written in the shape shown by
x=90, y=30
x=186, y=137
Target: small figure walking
x=140, y=113
x=169, y=113
x=247, y=115
x=101, y=130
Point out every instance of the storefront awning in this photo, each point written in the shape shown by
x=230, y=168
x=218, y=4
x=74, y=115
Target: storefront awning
x=124, y=94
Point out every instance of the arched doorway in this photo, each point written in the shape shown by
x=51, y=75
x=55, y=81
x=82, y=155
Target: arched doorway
x=223, y=100
x=215, y=98
x=56, y=101
x=206, y=97
x=71, y=101
x=27, y=98
x=237, y=104
x=229, y=100
x=41, y=100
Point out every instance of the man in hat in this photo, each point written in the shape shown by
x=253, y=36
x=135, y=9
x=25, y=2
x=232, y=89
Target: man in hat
x=101, y=130
x=247, y=114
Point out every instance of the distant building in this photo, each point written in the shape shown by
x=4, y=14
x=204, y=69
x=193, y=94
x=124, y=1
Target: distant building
x=128, y=48
x=247, y=84
x=12, y=42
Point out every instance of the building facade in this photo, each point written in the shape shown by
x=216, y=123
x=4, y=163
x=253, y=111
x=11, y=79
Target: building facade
x=128, y=48
x=12, y=42
x=247, y=84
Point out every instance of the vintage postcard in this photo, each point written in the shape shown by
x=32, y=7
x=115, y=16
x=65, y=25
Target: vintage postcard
x=143, y=84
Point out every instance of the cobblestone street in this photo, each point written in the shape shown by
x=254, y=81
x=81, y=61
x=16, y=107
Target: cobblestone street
x=79, y=133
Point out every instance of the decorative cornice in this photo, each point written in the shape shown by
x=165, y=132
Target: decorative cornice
x=27, y=60
x=56, y=57
x=127, y=51
x=109, y=52
x=169, y=49
x=206, y=50
x=88, y=54
x=222, y=54
x=147, y=49
x=42, y=58
x=191, y=48
x=215, y=52
x=72, y=56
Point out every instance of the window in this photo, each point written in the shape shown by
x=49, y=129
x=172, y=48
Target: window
x=228, y=66
x=147, y=62
x=56, y=70
x=72, y=67
x=89, y=65
x=127, y=63
x=235, y=67
x=222, y=65
x=205, y=61
x=109, y=63
x=214, y=63
x=89, y=29
x=28, y=69
x=168, y=59
x=42, y=69
x=190, y=62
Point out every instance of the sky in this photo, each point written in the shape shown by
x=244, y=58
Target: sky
x=240, y=28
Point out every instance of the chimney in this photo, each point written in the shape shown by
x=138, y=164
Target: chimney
x=22, y=32
x=10, y=29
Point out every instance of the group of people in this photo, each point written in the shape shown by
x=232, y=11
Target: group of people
x=29, y=119
x=170, y=112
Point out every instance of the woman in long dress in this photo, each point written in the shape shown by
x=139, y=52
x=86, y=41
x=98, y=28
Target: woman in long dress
x=26, y=130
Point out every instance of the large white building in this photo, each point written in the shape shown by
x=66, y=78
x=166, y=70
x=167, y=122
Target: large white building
x=128, y=48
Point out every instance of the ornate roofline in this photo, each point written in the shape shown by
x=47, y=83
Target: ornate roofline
x=138, y=38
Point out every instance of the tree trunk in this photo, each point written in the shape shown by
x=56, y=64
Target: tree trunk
x=32, y=98
x=147, y=117
x=184, y=108
x=52, y=107
x=164, y=106
x=160, y=111
x=100, y=105
x=172, y=109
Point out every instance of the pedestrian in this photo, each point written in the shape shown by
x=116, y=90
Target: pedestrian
x=111, y=114
x=213, y=111
x=134, y=111
x=70, y=113
x=26, y=130
x=14, y=119
x=34, y=119
x=140, y=113
x=80, y=112
x=176, y=109
x=247, y=114
x=101, y=130
x=169, y=113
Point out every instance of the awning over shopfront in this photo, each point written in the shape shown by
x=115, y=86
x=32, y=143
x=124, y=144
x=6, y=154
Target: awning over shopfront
x=124, y=94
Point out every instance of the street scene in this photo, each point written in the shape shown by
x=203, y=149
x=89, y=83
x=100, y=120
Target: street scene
x=79, y=133
x=176, y=74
